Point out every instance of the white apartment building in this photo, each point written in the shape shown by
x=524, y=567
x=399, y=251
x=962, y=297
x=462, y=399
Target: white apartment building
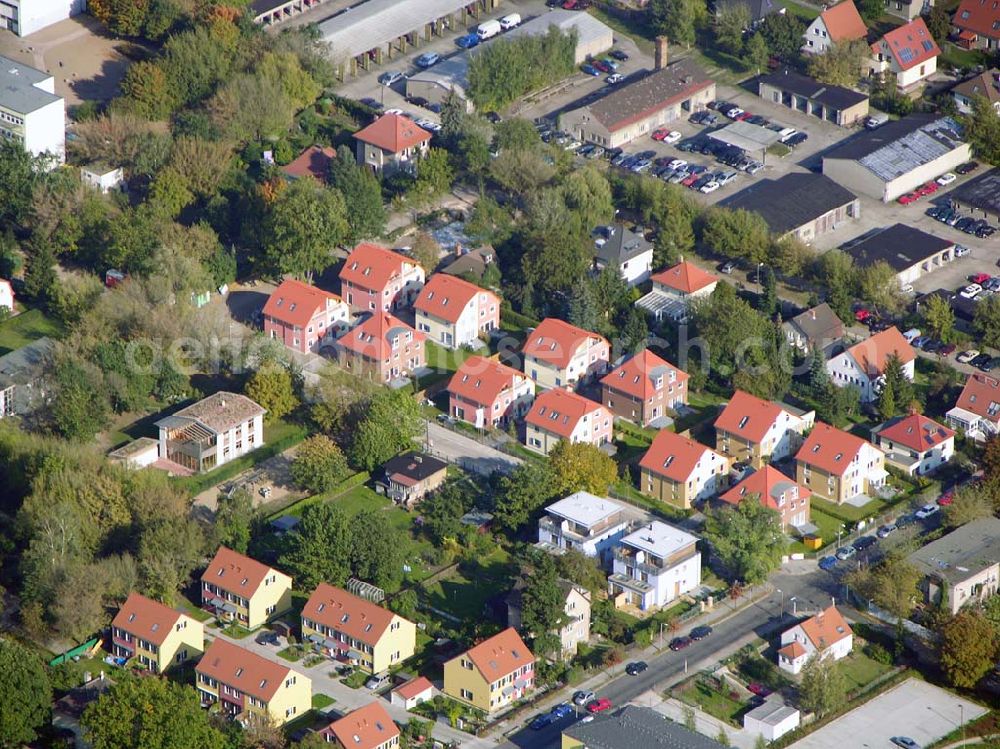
x=211, y=432
x=653, y=566
x=25, y=17
x=585, y=522
x=30, y=112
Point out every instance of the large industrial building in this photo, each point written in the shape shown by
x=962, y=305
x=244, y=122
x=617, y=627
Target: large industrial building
x=909, y=252
x=30, y=112
x=980, y=196
x=897, y=157
x=25, y=17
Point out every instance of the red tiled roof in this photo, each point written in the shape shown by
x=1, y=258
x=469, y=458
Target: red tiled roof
x=985, y=84
x=345, y=612
x=981, y=396
x=145, y=618
x=414, y=687
x=481, y=381
x=243, y=669
x=393, y=133
x=748, y=416
x=917, y=432
x=500, y=655
x=872, y=353
x=910, y=44
x=559, y=411
x=372, y=267
x=637, y=376
x=829, y=449
x=827, y=628
x=980, y=16
x=555, y=341
x=673, y=456
x=235, y=573
x=769, y=483
x=367, y=727
x=445, y=297
x=313, y=162
x=793, y=650
x=685, y=277
x=373, y=338
x=843, y=22
x=295, y=303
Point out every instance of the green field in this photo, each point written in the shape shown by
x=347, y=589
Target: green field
x=860, y=670
x=464, y=595
x=27, y=327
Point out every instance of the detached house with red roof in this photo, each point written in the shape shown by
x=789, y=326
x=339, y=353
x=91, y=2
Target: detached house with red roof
x=250, y=687
x=774, y=490
x=837, y=24
x=301, y=316
x=382, y=348
x=313, y=162
x=368, y=727
x=374, y=278
x=486, y=393
x=675, y=288
x=977, y=410
x=642, y=389
x=909, y=52
x=391, y=144
x=977, y=23
x=838, y=466
x=680, y=471
x=559, y=355
x=453, y=312
x=154, y=634
x=558, y=415
x=239, y=589
x=494, y=674
x=863, y=364
x=915, y=444
x=343, y=626
x=755, y=431
x=826, y=635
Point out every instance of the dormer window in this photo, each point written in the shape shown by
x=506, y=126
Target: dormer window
x=131, y=617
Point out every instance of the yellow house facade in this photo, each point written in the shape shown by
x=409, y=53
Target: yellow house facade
x=237, y=588
x=493, y=675
x=154, y=634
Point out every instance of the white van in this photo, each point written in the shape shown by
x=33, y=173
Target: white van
x=510, y=21
x=787, y=133
x=488, y=29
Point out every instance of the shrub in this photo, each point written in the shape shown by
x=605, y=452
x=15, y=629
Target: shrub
x=878, y=653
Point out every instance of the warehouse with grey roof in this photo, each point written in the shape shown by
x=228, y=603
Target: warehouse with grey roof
x=898, y=157
x=633, y=726
x=909, y=252
x=980, y=196
x=836, y=104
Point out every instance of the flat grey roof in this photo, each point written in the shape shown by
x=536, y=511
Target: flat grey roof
x=982, y=192
x=772, y=712
x=588, y=28
x=633, y=726
x=964, y=552
x=745, y=136
x=451, y=73
x=19, y=90
x=659, y=538
x=899, y=245
x=585, y=508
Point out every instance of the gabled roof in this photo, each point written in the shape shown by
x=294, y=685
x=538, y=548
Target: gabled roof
x=367, y=727
x=372, y=267
x=618, y=244
x=872, y=353
x=843, y=22
x=146, y=619
x=916, y=432
x=836, y=97
x=685, y=277
x=768, y=483
x=393, y=133
x=673, y=456
x=829, y=449
x=910, y=45
x=347, y=613
x=559, y=411
x=481, y=381
x=312, y=162
x=826, y=629
x=500, y=655
x=555, y=342
x=819, y=324
x=243, y=669
x=219, y=412
x=639, y=375
x=981, y=396
x=413, y=687
x=374, y=337
x=446, y=297
x=236, y=573
x=792, y=201
x=748, y=416
x=986, y=84
x=295, y=303
x=981, y=16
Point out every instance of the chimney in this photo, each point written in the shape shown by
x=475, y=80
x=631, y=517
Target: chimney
x=812, y=313
x=662, y=52
x=458, y=249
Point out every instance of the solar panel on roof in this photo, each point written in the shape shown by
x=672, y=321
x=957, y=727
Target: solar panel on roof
x=906, y=54
x=928, y=45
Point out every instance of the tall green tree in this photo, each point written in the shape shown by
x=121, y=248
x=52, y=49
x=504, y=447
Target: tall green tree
x=362, y=196
x=543, y=604
x=272, y=388
x=783, y=34
x=938, y=23
x=233, y=519
x=895, y=380
x=841, y=64
x=870, y=10
x=678, y=20
x=579, y=466
x=302, y=228
x=376, y=549
x=879, y=286
x=434, y=177
x=756, y=53
x=939, y=318
x=987, y=320
x=747, y=539
x=823, y=686
x=522, y=493
x=390, y=425
x=730, y=24
x=982, y=130
x=320, y=549
x=968, y=648
x=836, y=272
x=737, y=234
x=319, y=465
x=27, y=694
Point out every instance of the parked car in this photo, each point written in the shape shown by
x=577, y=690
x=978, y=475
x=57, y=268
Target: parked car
x=599, y=705
x=885, y=530
x=967, y=168
x=583, y=697
x=377, y=682
x=876, y=120
x=728, y=267
x=946, y=499
x=797, y=139
x=990, y=364
x=562, y=710
x=636, y=667
x=267, y=638
x=734, y=112
x=679, y=643
x=904, y=520
x=709, y=187
x=967, y=356
x=980, y=360
x=920, y=341
x=427, y=59
x=861, y=315
x=970, y=291
x=672, y=137
x=947, y=349
x=614, y=78
x=911, y=335
x=390, y=77
x=602, y=66
x=700, y=632
x=905, y=742
x=468, y=41
x=541, y=721
x=979, y=278
x=927, y=511
x=827, y=563
x=946, y=179
x=755, y=687
x=865, y=542
x=619, y=55
x=590, y=69
x=846, y=552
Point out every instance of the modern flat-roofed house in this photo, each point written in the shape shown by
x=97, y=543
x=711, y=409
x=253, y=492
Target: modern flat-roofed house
x=838, y=466
x=31, y=114
x=679, y=471
x=863, y=364
x=653, y=566
x=675, y=288
x=558, y=415
x=343, y=626
x=237, y=588
x=977, y=411
x=454, y=313
x=559, y=355
x=301, y=316
x=774, y=490
x=986, y=84
x=977, y=23
x=492, y=675
x=826, y=635
x=24, y=17
x=585, y=522
x=211, y=432
x=410, y=477
x=618, y=247
x=154, y=634
x=838, y=24
x=643, y=388
x=909, y=252
x=817, y=328
x=374, y=278
x=915, y=444
x=576, y=607
x=909, y=52
x=382, y=348
x=961, y=567
x=393, y=143
x=755, y=431
x=368, y=727
x=486, y=393
x=250, y=687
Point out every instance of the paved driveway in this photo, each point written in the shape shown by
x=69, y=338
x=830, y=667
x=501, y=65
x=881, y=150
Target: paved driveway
x=467, y=452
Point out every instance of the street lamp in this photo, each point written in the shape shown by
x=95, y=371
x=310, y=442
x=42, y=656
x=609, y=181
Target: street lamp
x=794, y=601
x=759, y=265
x=840, y=529
x=781, y=615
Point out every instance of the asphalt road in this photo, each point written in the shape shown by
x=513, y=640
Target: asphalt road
x=467, y=452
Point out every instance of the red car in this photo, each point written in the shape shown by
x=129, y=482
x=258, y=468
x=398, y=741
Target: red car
x=758, y=689
x=928, y=188
x=602, y=66
x=599, y=705
x=948, y=349
x=979, y=278
x=910, y=197
x=690, y=180
x=744, y=116
x=660, y=134
x=946, y=499
x=861, y=315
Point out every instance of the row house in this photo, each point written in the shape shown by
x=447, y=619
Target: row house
x=863, y=364
x=644, y=388
x=156, y=635
x=653, y=566
x=382, y=348
x=915, y=444
x=838, y=466
x=558, y=415
x=454, y=313
x=302, y=316
x=776, y=491
x=559, y=355
x=680, y=471
x=376, y=279
x=755, y=431
x=239, y=589
x=485, y=393
x=492, y=675
x=977, y=24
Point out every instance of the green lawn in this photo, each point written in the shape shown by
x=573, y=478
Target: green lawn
x=193, y=611
x=236, y=631
x=27, y=327
x=713, y=702
x=805, y=12
x=846, y=512
x=956, y=57
x=464, y=595
x=640, y=32
x=292, y=653
x=441, y=359
x=322, y=700
x=860, y=670
x=827, y=525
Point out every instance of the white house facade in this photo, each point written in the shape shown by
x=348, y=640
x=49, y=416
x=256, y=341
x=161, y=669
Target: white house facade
x=585, y=522
x=826, y=635
x=653, y=566
x=863, y=365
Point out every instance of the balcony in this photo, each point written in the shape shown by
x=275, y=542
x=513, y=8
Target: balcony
x=630, y=561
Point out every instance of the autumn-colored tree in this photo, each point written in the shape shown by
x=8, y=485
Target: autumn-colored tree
x=146, y=91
